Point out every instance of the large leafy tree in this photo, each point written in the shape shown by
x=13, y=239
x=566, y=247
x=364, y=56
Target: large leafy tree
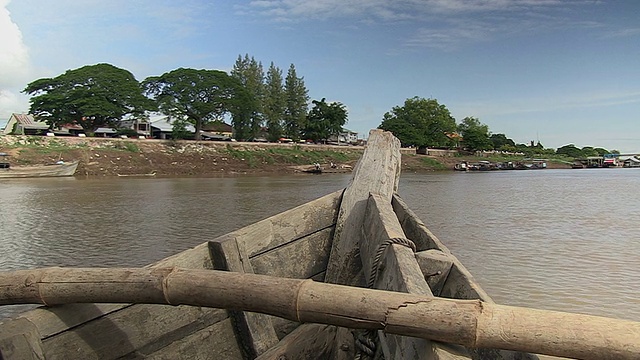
x=324, y=120
x=250, y=74
x=198, y=96
x=297, y=99
x=501, y=142
x=274, y=104
x=420, y=122
x=475, y=135
x=92, y=96
x=570, y=151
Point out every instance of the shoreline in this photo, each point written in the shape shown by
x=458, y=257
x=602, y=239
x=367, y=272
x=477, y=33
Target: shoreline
x=109, y=157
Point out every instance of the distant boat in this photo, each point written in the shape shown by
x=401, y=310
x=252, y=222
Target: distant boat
x=52, y=170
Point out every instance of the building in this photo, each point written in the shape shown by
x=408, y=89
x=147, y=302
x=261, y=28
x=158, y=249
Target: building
x=24, y=124
x=345, y=137
x=161, y=127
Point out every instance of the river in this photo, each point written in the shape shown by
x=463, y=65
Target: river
x=552, y=239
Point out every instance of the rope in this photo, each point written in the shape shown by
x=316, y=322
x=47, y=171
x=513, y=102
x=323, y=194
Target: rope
x=375, y=267
x=365, y=340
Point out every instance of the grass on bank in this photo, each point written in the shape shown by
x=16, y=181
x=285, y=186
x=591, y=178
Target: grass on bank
x=294, y=156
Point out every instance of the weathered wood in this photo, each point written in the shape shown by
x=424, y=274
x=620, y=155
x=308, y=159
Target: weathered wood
x=288, y=226
x=214, y=342
x=399, y=272
x=255, y=331
x=301, y=259
x=19, y=339
x=313, y=341
x=378, y=171
x=458, y=282
x=435, y=266
x=471, y=323
x=414, y=228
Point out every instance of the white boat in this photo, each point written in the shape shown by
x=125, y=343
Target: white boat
x=53, y=170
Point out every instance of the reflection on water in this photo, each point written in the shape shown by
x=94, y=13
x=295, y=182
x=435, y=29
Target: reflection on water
x=552, y=239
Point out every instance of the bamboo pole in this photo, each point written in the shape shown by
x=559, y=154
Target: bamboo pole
x=471, y=323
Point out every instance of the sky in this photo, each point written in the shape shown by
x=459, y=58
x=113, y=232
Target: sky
x=555, y=71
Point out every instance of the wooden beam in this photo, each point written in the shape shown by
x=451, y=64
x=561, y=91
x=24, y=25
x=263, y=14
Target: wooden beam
x=472, y=323
x=378, y=172
x=254, y=331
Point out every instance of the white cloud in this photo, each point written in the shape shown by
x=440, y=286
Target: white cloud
x=14, y=65
x=14, y=57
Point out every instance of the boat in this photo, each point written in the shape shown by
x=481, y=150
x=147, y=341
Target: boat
x=60, y=168
x=354, y=274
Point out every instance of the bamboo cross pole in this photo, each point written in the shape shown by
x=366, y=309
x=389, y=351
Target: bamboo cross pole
x=471, y=323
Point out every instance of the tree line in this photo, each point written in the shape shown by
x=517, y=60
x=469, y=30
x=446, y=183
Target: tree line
x=104, y=95
x=421, y=122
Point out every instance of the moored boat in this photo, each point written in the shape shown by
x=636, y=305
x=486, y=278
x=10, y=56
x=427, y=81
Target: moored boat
x=383, y=287
x=50, y=170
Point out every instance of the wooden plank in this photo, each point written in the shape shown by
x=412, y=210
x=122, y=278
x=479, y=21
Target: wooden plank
x=435, y=266
x=289, y=226
x=214, y=342
x=254, y=331
x=312, y=341
x=54, y=320
x=20, y=340
x=414, y=228
x=300, y=260
x=399, y=272
x=457, y=283
x=125, y=332
x=378, y=172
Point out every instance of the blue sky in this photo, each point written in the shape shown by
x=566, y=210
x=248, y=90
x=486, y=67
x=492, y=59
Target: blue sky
x=556, y=71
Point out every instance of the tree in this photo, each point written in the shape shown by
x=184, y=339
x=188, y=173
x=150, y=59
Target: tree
x=297, y=99
x=499, y=141
x=475, y=135
x=570, y=151
x=325, y=120
x=92, y=96
x=274, y=104
x=198, y=96
x=420, y=122
x=250, y=74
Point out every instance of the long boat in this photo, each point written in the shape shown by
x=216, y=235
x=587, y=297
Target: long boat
x=354, y=274
x=49, y=170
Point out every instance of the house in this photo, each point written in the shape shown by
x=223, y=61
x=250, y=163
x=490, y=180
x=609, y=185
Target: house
x=161, y=127
x=219, y=131
x=141, y=126
x=24, y=124
x=345, y=137
x=632, y=162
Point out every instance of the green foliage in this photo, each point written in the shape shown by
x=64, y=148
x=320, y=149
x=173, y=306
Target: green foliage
x=325, y=120
x=499, y=141
x=92, y=96
x=127, y=146
x=296, y=103
x=250, y=74
x=570, y=151
x=432, y=163
x=274, y=104
x=179, y=130
x=295, y=156
x=199, y=96
x=475, y=135
x=420, y=122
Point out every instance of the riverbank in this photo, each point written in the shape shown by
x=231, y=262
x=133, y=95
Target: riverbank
x=101, y=157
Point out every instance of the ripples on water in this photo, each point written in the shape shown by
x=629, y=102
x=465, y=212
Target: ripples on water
x=554, y=239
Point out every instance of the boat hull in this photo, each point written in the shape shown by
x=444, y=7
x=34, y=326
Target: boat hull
x=54, y=170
